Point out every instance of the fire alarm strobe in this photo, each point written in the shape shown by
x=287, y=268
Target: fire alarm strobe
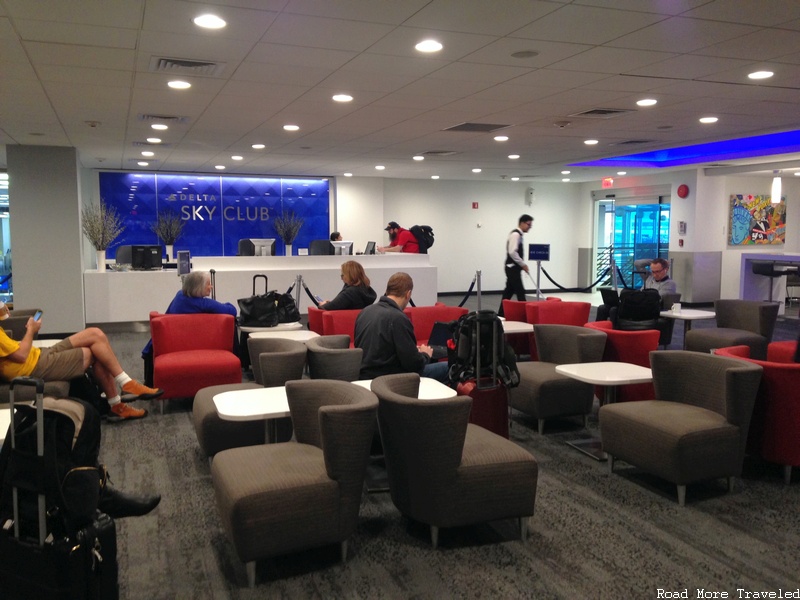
x=683, y=190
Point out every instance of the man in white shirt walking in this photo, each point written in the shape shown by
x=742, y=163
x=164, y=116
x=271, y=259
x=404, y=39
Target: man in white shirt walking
x=514, y=264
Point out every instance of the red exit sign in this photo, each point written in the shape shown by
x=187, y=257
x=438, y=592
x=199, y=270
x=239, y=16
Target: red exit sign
x=608, y=182
x=474, y=205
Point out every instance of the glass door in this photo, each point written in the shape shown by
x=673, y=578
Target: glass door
x=641, y=230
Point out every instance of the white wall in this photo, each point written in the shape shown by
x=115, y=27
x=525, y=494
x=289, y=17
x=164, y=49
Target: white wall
x=359, y=213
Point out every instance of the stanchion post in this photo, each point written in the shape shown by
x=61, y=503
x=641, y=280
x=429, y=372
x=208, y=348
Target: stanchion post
x=614, y=283
x=478, y=278
x=538, y=280
x=298, y=283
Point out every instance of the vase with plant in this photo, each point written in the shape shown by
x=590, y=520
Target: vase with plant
x=287, y=227
x=101, y=224
x=168, y=227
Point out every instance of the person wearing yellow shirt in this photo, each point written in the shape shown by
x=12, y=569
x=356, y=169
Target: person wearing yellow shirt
x=71, y=358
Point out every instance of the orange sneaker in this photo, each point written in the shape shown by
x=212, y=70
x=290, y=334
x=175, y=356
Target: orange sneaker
x=139, y=390
x=125, y=412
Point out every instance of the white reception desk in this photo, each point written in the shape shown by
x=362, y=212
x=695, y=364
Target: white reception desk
x=120, y=297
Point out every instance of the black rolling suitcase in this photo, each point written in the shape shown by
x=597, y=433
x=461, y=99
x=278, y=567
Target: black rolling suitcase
x=41, y=556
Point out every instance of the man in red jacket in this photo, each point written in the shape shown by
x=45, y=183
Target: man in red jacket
x=402, y=240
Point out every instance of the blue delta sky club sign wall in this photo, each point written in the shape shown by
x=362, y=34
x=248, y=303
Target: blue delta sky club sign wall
x=218, y=211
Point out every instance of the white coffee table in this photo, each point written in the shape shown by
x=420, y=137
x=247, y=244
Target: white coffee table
x=687, y=315
x=429, y=389
x=610, y=375
x=254, y=405
x=511, y=327
x=44, y=343
x=278, y=327
x=299, y=335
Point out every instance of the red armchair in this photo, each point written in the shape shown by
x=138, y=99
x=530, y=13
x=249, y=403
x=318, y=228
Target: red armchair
x=315, y=320
x=630, y=347
x=340, y=322
x=775, y=426
x=423, y=318
x=191, y=352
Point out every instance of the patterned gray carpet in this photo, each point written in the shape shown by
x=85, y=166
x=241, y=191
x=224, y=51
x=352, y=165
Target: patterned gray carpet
x=594, y=535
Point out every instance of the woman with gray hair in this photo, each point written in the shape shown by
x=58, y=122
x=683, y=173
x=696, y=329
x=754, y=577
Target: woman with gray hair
x=192, y=298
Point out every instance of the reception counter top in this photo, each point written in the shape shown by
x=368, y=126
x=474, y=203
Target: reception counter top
x=118, y=297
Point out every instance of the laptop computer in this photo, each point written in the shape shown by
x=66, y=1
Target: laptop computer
x=440, y=334
x=610, y=296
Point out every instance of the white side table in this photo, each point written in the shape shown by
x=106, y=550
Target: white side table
x=254, y=405
x=687, y=315
x=5, y=421
x=510, y=327
x=429, y=389
x=610, y=375
x=299, y=335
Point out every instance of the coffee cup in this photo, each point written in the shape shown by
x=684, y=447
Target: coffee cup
x=676, y=307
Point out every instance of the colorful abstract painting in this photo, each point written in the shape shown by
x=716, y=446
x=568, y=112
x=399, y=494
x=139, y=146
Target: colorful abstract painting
x=754, y=219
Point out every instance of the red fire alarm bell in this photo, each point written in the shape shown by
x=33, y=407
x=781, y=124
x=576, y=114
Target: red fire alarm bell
x=683, y=190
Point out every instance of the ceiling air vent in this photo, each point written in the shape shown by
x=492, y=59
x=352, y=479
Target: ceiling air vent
x=166, y=119
x=149, y=145
x=439, y=153
x=476, y=127
x=633, y=142
x=602, y=113
x=183, y=66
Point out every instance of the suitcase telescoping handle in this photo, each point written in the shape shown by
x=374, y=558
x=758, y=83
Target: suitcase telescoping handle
x=39, y=384
x=266, y=283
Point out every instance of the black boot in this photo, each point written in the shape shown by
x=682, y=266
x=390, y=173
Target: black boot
x=117, y=504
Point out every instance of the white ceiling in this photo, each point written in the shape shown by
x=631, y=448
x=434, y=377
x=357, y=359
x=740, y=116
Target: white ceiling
x=66, y=65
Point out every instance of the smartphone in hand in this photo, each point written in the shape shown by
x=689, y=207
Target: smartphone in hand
x=37, y=316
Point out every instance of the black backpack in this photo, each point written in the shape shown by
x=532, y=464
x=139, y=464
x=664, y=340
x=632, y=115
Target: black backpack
x=481, y=350
x=424, y=235
x=637, y=310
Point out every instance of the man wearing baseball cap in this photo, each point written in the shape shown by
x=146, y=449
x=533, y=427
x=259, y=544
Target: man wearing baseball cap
x=402, y=240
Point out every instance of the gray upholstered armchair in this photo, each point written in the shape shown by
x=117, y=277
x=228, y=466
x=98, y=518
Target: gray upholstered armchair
x=697, y=427
x=274, y=361
x=545, y=394
x=331, y=357
x=739, y=322
x=444, y=471
x=274, y=499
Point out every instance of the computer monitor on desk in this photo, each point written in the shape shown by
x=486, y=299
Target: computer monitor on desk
x=257, y=247
x=146, y=258
x=370, y=249
x=343, y=247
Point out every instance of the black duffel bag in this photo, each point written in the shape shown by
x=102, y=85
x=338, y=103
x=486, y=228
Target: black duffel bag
x=259, y=310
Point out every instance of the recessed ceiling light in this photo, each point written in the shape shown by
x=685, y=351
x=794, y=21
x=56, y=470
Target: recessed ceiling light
x=159, y=126
x=237, y=157
x=291, y=127
x=565, y=172
x=513, y=156
x=348, y=174
x=476, y=170
x=258, y=146
x=797, y=174
x=647, y=102
x=565, y=179
x=515, y=179
x=709, y=119
x=434, y=177
x=429, y=46
x=143, y=163
x=209, y=21
x=154, y=140
x=148, y=153
x=501, y=138
x=590, y=142
x=761, y=75
x=379, y=167
x=342, y=98
x=622, y=172
x=178, y=84
x=220, y=167
x=419, y=157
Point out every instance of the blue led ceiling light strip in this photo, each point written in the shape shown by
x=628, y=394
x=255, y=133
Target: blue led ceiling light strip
x=759, y=145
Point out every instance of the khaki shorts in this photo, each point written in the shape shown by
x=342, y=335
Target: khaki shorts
x=60, y=362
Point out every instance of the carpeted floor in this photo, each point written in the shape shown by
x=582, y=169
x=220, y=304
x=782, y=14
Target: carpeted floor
x=594, y=535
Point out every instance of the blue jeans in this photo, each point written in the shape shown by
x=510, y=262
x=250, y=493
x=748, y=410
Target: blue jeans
x=437, y=371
